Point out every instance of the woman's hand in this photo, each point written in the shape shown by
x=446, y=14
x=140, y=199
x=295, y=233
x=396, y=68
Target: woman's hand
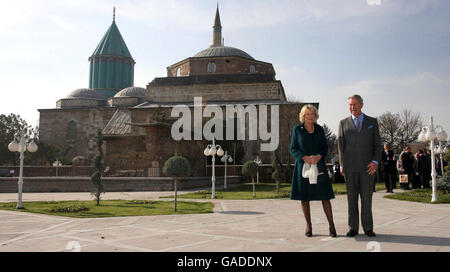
x=317, y=158
x=314, y=159
x=307, y=159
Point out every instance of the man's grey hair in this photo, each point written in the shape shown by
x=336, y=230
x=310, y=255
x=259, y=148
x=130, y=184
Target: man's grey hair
x=358, y=97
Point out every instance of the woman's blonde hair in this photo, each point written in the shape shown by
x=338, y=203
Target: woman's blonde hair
x=303, y=112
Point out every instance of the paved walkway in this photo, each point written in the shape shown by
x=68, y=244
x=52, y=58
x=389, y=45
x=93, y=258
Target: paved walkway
x=236, y=225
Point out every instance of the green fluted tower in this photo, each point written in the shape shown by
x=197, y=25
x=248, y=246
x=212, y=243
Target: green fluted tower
x=111, y=64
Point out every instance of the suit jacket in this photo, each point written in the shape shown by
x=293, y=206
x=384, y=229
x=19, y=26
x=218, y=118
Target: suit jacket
x=358, y=149
x=387, y=161
x=407, y=161
x=426, y=165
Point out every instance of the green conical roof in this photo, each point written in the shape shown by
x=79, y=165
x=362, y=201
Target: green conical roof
x=112, y=43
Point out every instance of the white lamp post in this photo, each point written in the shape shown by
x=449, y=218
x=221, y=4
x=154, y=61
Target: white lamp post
x=441, y=149
x=428, y=134
x=213, y=150
x=21, y=147
x=226, y=158
x=258, y=162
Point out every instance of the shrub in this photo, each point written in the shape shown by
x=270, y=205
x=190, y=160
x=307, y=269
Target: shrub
x=141, y=202
x=176, y=167
x=447, y=157
x=69, y=208
x=443, y=183
x=249, y=169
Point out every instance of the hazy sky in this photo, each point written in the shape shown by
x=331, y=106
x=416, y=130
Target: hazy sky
x=395, y=53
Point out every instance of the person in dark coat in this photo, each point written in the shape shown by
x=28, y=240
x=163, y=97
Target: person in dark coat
x=310, y=145
x=417, y=172
x=421, y=167
x=388, y=168
x=408, y=166
x=359, y=154
x=337, y=176
x=426, y=170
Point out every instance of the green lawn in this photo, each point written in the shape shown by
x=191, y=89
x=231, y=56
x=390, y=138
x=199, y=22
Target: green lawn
x=112, y=208
x=263, y=191
x=421, y=195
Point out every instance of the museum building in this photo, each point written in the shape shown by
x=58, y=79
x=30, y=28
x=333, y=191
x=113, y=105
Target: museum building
x=136, y=122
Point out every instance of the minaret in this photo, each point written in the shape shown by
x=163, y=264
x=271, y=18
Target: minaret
x=112, y=66
x=217, y=29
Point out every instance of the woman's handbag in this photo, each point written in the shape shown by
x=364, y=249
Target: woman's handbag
x=310, y=172
x=403, y=178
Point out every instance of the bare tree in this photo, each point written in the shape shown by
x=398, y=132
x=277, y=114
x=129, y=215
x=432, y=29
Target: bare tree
x=293, y=99
x=399, y=129
x=390, y=125
x=410, y=129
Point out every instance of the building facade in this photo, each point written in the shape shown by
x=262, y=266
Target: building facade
x=137, y=123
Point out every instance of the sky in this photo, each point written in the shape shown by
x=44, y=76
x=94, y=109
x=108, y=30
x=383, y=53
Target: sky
x=394, y=53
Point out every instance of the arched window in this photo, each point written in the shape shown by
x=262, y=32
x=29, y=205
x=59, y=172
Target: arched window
x=178, y=71
x=71, y=130
x=252, y=69
x=211, y=67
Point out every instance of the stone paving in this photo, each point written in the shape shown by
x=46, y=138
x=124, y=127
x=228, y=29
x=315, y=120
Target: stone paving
x=236, y=225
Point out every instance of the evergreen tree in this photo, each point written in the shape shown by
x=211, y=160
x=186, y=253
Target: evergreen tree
x=96, y=178
x=177, y=167
x=250, y=169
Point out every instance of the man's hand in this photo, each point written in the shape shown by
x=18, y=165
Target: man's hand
x=371, y=168
x=342, y=171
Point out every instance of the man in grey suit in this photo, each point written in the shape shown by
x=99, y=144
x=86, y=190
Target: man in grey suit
x=359, y=153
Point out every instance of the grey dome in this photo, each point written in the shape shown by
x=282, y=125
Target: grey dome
x=85, y=93
x=223, y=51
x=132, y=92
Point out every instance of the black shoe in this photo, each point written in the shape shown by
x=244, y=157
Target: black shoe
x=387, y=191
x=333, y=232
x=370, y=233
x=352, y=233
x=308, y=233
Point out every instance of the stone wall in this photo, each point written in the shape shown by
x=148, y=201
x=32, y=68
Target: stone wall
x=232, y=92
x=54, y=129
x=124, y=101
x=50, y=171
x=224, y=65
x=77, y=103
x=111, y=184
x=149, y=152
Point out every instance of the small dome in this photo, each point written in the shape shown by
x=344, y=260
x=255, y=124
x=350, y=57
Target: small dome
x=222, y=51
x=85, y=93
x=132, y=92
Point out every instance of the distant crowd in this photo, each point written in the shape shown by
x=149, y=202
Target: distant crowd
x=411, y=170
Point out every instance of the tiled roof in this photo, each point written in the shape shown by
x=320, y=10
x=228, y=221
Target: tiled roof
x=119, y=123
x=112, y=43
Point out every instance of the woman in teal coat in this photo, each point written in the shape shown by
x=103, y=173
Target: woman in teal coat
x=310, y=145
